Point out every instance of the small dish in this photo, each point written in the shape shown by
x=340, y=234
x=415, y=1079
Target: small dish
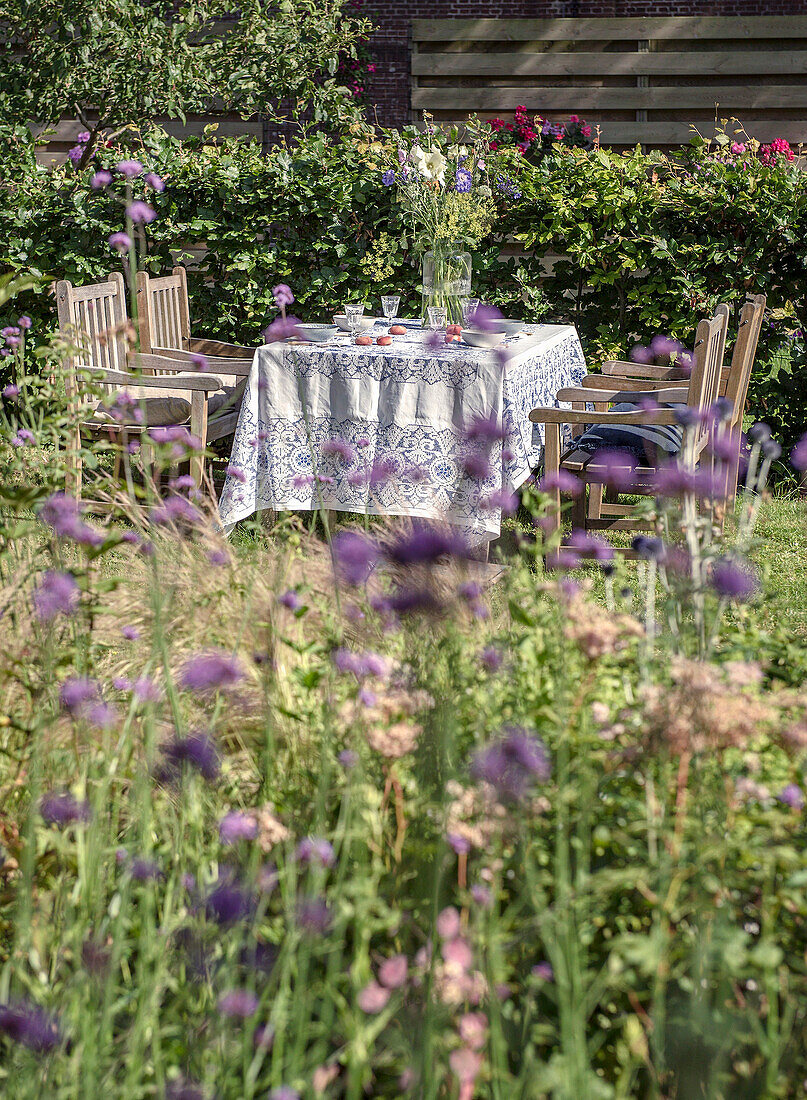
x=316, y=334
x=475, y=338
x=365, y=323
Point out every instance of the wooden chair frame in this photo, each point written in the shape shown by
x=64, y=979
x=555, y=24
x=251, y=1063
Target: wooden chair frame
x=94, y=318
x=701, y=389
x=732, y=385
x=165, y=327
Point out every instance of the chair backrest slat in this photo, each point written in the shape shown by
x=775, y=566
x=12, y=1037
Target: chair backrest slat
x=710, y=342
x=93, y=318
x=742, y=360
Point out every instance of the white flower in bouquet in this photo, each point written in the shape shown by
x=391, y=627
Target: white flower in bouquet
x=431, y=165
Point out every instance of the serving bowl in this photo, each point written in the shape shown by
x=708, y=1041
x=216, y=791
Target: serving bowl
x=507, y=328
x=364, y=323
x=316, y=334
x=476, y=338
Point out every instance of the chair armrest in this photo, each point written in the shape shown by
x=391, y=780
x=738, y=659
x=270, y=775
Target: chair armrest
x=202, y=346
x=611, y=381
x=238, y=367
x=577, y=393
x=572, y=416
x=205, y=382
x=642, y=370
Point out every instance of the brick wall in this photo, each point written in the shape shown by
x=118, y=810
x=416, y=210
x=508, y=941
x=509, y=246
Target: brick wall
x=388, y=86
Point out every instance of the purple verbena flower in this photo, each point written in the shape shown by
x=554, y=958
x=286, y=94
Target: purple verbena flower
x=57, y=594
x=235, y=826
x=734, y=579
x=62, y=809
x=238, y=1003
x=228, y=902
x=282, y=328
x=30, y=1026
x=424, y=544
x=484, y=430
x=101, y=179
x=144, y=870
x=282, y=295
x=543, y=971
x=491, y=658
x=211, y=671
x=354, y=556
x=154, y=181
x=314, y=916
x=512, y=763
x=77, y=692
x=121, y=241
x=10, y=392
x=291, y=600
x=25, y=321
x=130, y=168
x=792, y=796
x=798, y=455
x=339, y=448
x=563, y=481
x=315, y=849
x=197, y=751
x=140, y=212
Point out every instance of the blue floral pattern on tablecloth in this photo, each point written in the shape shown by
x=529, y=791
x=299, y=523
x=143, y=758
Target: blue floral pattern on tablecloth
x=399, y=412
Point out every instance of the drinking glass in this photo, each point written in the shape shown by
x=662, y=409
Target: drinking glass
x=469, y=308
x=437, y=317
x=390, y=303
x=353, y=314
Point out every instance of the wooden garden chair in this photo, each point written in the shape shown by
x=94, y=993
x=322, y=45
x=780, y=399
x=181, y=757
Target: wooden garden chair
x=165, y=329
x=93, y=320
x=699, y=392
x=732, y=385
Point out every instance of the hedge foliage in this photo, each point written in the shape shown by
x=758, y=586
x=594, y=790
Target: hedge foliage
x=623, y=245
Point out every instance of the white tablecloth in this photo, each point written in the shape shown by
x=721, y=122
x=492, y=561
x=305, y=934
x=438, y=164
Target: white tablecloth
x=399, y=416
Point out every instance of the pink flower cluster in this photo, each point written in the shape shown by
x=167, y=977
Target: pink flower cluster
x=521, y=131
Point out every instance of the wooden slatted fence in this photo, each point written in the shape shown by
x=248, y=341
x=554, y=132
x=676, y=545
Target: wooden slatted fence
x=639, y=80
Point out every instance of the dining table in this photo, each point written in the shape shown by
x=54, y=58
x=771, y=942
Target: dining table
x=417, y=427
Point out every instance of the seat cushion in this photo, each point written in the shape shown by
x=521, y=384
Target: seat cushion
x=226, y=400
x=131, y=409
x=645, y=442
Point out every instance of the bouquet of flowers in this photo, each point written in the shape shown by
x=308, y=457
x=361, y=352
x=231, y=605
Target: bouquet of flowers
x=448, y=183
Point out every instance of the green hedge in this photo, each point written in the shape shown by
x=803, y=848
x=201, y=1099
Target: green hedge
x=644, y=243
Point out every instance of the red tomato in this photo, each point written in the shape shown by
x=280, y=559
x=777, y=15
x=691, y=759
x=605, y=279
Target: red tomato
x=452, y=338
x=454, y=330
x=363, y=340
x=398, y=330
x=384, y=340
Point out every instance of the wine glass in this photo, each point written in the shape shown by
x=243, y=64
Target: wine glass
x=437, y=317
x=469, y=308
x=353, y=314
x=390, y=304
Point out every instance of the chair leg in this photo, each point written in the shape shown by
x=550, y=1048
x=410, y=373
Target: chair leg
x=551, y=466
x=72, y=461
x=578, y=513
x=595, y=500
x=199, y=429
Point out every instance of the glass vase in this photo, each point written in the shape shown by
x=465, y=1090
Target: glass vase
x=446, y=275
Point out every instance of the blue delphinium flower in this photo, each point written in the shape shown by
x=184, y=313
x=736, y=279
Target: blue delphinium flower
x=463, y=180
x=388, y=179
